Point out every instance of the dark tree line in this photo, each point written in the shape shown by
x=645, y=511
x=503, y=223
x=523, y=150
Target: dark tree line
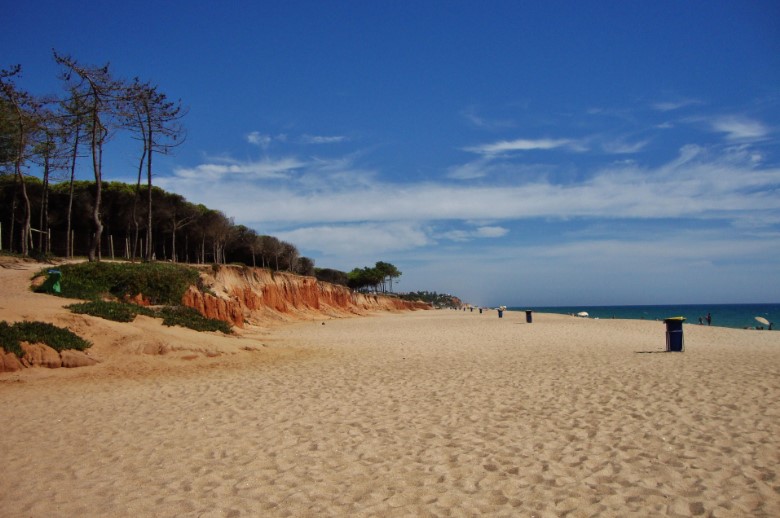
x=52, y=133
x=182, y=231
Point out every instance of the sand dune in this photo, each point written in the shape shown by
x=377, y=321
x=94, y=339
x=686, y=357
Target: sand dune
x=437, y=413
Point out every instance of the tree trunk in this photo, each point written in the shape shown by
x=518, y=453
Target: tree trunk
x=43, y=224
x=97, y=159
x=26, y=232
x=173, y=244
x=68, y=243
x=149, y=188
x=135, y=204
x=18, y=170
x=13, y=217
x=68, y=231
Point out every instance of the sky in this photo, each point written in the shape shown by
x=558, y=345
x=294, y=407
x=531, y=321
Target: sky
x=508, y=152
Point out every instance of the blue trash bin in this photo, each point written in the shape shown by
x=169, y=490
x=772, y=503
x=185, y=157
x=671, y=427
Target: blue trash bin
x=500, y=313
x=675, y=341
x=529, y=316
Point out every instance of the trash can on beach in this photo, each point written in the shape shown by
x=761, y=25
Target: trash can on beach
x=674, y=334
x=529, y=316
x=52, y=284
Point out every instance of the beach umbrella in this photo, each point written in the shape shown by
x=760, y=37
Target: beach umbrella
x=763, y=320
x=582, y=314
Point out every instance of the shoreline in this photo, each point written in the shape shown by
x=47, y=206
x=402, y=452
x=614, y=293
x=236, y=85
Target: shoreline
x=731, y=316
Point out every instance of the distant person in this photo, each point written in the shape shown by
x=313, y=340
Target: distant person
x=701, y=321
x=709, y=319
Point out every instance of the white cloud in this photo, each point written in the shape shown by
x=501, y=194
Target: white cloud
x=260, y=169
x=318, y=139
x=491, y=231
x=740, y=128
x=621, y=147
x=722, y=200
x=264, y=140
x=477, y=233
x=468, y=171
x=694, y=185
x=369, y=239
x=472, y=170
x=505, y=146
x=676, y=265
x=479, y=121
x=666, y=106
x=258, y=139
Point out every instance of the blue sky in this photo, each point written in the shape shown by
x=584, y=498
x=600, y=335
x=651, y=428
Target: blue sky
x=517, y=153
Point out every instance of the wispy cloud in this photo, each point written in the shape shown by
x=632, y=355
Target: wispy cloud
x=480, y=168
x=644, y=268
x=507, y=146
x=622, y=147
x=356, y=239
x=262, y=140
x=320, y=139
x=252, y=170
x=479, y=121
x=738, y=127
x=667, y=106
x=696, y=184
x=476, y=233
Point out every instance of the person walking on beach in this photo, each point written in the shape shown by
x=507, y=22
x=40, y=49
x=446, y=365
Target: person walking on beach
x=709, y=319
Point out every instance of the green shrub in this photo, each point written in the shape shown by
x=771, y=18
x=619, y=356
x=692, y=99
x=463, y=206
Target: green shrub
x=116, y=311
x=9, y=339
x=162, y=283
x=188, y=317
x=55, y=337
x=171, y=315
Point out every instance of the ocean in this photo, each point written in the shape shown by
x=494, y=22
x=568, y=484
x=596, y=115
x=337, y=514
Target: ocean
x=739, y=316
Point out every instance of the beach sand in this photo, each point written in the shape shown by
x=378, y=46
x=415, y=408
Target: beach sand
x=429, y=413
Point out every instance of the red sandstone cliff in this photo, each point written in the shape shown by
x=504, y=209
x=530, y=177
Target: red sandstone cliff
x=253, y=295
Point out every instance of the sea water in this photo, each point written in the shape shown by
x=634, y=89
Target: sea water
x=740, y=316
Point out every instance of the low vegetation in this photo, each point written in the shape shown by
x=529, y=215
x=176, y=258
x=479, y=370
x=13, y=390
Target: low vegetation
x=171, y=315
x=440, y=300
x=188, y=317
x=160, y=283
x=116, y=311
x=59, y=339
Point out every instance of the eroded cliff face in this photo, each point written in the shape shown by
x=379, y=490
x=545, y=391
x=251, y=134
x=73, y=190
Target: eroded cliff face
x=256, y=296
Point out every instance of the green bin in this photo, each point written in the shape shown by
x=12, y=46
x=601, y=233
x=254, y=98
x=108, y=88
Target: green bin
x=52, y=284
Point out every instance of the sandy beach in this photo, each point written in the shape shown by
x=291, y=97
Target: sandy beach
x=427, y=413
